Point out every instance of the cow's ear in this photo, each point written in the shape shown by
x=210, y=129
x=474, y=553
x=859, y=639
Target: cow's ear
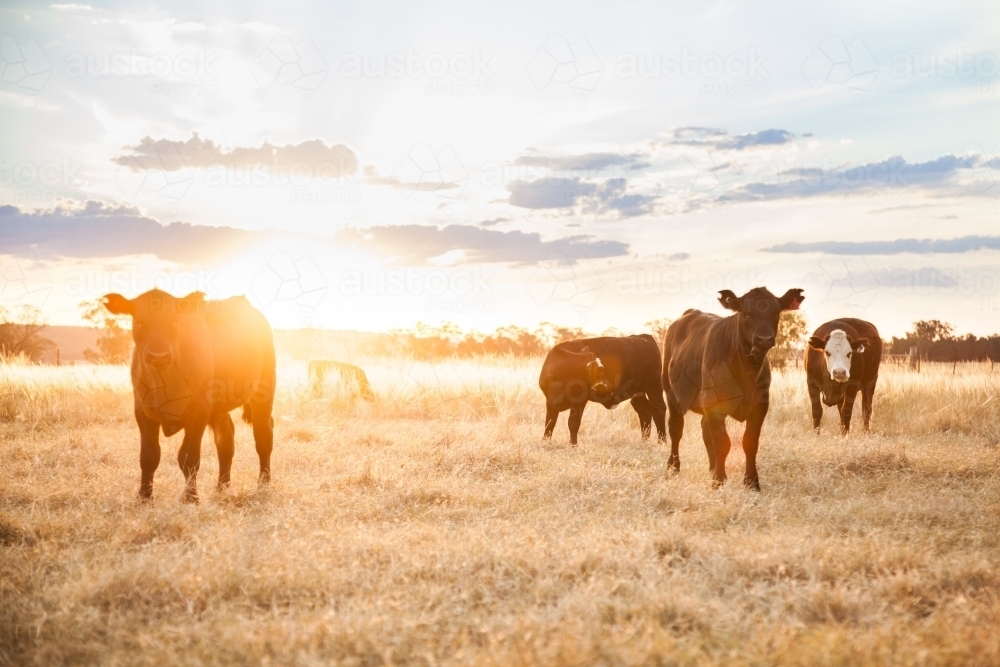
x=792, y=299
x=817, y=343
x=859, y=344
x=729, y=300
x=192, y=302
x=118, y=305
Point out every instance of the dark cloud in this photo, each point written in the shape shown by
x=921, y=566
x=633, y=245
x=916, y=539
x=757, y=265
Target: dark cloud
x=585, y=162
x=717, y=139
x=611, y=196
x=99, y=230
x=415, y=244
x=322, y=160
x=893, y=172
x=919, y=246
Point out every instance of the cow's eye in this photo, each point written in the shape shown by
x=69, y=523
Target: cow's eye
x=828, y=354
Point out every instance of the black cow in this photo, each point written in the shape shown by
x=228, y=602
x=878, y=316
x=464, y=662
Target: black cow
x=607, y=371
x=842, y=358
x=717, y=367
x=195, y=361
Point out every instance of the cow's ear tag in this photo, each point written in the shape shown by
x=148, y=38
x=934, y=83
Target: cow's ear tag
x=861, y=349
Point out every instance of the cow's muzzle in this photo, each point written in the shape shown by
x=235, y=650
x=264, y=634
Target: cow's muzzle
x=158, y=360
x=840, y=375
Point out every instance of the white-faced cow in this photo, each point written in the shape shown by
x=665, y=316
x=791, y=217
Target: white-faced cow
x=843, y=358
x=717, y=367
x=608, y=371
x=194, y=361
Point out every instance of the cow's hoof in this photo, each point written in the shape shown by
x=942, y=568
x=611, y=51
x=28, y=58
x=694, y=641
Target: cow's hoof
x=145, y=496
x=190, y=497
x=222, y=486
x=265, y=477
x=674, y=464
x=753, y=485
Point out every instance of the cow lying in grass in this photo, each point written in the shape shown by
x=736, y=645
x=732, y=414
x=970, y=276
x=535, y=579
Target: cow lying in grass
x=194, y=361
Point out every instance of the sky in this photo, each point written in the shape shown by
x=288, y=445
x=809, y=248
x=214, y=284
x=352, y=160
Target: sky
x=371, y=165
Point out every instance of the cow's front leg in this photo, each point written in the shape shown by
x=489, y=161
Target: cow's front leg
x=751, y=441
x=641, y=406
x=575, y=417
x=847, y=408
x=817, y=406
x=149, y=452
x=551, y=417
x=717, y=440
x=189, y=459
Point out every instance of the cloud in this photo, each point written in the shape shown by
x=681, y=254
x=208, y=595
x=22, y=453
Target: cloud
x=585, y=162
x=713, y=138
x=97, y=229
x=431, y=184
x=322, y=160
x=893, y=172
x=415, y=244
x=921, y=246
x=610, y=196
x=493, y=222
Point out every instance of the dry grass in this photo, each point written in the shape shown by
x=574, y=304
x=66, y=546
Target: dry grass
x=437, y=528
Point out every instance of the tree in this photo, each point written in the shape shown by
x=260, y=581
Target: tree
x=932, y=330
x=20, y=333
x=114, y=342
x=791, y=332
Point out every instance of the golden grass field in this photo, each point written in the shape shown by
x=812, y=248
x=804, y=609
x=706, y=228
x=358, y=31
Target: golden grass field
x=437, y=528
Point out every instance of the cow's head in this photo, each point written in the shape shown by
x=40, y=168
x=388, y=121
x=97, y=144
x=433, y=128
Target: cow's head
x=839, y=349
x=597, y=376
x=156, y=318
x=759, y=312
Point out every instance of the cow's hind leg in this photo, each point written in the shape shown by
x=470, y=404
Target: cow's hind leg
x=551, y=417
x=641, y=406
x=867, y=398
x=189, y=460
x=659, y=410
x=717, y=442
x=675, y=427
x=225, y=444
x=263, y=438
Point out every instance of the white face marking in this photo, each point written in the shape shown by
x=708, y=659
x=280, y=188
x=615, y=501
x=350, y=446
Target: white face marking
x=838, y=356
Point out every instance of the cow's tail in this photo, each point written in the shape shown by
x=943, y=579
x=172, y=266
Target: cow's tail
x=247, y=413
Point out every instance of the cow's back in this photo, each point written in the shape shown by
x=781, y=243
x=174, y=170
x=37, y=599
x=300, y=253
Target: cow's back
x=627, y=359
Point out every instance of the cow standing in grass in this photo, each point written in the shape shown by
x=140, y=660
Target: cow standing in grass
x=843, y=358
x=608, y=371
x=195, y=361
x=717, y=367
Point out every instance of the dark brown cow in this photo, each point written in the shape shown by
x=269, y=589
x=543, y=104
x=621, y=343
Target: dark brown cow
x=842, y=358
x=195, y=361
x=608, y=371
x=718, y=367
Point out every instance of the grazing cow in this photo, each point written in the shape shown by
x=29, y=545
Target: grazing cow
x=350, y=375
x=842, y=358
x=717, y=367
x=194, y=361
x=604, y=370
